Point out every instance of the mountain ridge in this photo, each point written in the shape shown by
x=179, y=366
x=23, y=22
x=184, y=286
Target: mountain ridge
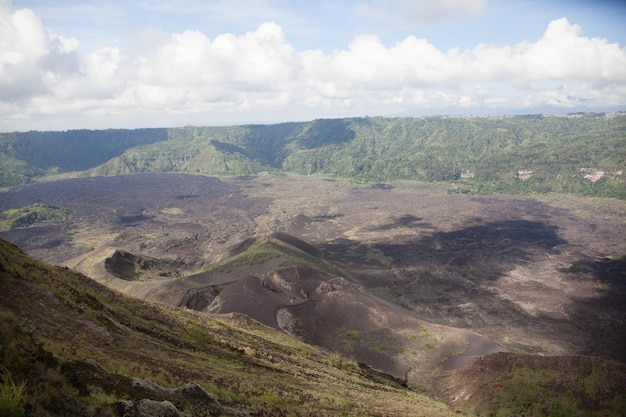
x=580, y=154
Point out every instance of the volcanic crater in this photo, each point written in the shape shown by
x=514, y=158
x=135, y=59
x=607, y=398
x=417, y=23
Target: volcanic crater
x=402, y=277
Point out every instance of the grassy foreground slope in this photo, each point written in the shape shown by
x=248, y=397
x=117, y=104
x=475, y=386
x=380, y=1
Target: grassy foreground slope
x=69, y=346
x=579, y=153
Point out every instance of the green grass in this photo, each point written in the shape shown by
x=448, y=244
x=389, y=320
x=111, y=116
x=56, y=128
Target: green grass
x=378, y=345
x=33, y=214
x=257, y=254
x=351, y=336
x=263, y=251
x=515, y=385
x=575, y=268
x=12, y=396
x=527, y=392
x=200, y=335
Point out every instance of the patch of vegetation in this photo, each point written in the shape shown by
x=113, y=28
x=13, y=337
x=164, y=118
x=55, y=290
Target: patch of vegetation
x=33, y=214
x=200, y=335
x=263, y=251
x=515, y=385
x=378, y=345
x=257, y=254
x=12, y=396
x=528, y=391
x=617, y=258
x=268, y=397
x=351, y=336
x=575, y=268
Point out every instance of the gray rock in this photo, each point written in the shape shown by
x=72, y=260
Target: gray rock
x=146, y=408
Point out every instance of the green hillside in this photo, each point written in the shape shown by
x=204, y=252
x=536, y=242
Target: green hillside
x=579, y=153
x=26, y=155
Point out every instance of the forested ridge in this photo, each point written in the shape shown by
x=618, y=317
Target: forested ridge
x=27, y=155
x=577, y=153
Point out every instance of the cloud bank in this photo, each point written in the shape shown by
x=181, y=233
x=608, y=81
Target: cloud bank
x=260, y=76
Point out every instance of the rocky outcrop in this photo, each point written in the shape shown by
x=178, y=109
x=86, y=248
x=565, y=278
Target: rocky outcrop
x=131, y=267
x=146, y=408
x=146, y=398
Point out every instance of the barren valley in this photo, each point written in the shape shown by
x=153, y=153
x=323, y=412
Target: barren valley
x=538, y=275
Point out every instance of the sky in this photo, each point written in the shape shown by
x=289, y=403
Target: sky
x=97, y=64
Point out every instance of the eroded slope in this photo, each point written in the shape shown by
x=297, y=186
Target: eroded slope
x=531, y=273
x=83, y=349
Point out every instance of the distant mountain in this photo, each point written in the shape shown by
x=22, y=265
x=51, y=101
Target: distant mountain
x=582, y=153
x=27, y=155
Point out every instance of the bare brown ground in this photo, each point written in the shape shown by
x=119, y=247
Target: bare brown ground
x=533, y=274
x=337, y=314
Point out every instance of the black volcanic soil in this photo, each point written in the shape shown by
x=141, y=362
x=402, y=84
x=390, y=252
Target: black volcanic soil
x=165, y=216
x=334, y=313
x=540, y=274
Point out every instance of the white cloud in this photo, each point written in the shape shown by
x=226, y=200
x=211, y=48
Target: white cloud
x=191, y=69
x=30, y=56
x=561, y=54
x=188, y=73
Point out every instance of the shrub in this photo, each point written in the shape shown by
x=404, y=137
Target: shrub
x=12, y=396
